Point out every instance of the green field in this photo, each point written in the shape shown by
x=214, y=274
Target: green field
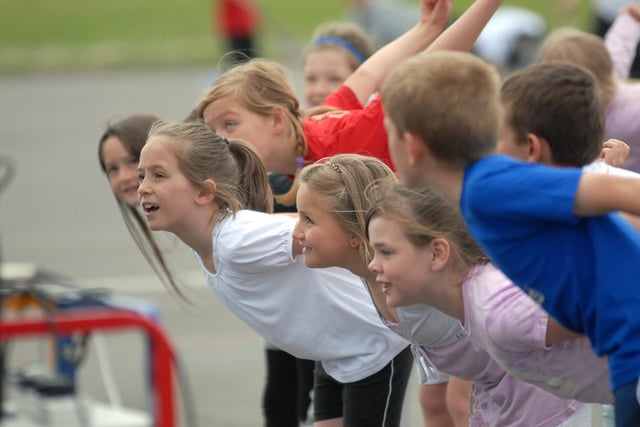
x=63, y=34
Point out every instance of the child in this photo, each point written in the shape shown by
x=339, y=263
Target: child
x=609, y=60
x=332, y=205
x=199, y=186
x=336, y=50
x=545, y=216
x=424, y=255
x=256, y=102
x=119, y=152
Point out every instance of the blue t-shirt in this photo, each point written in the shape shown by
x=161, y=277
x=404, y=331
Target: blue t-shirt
x=584, y=271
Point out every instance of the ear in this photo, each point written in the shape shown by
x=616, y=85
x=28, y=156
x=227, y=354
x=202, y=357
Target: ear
x=355, y=241
x=207, y=193
x=416, y=148
x=440, y=253
x=279, y=121
x=538, y=149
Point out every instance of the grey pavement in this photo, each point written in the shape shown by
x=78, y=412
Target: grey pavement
x=59, y=214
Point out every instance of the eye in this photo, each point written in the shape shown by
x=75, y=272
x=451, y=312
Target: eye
x=229, y=124
x=112, y=170
x=140, y=177
x=310, y=79
x=308, y=220
x=336, y=80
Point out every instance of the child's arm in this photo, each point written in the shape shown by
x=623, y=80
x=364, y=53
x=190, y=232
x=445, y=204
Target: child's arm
x=622, y=38
x=369, y=76
x=463, y=33
x=599, y=194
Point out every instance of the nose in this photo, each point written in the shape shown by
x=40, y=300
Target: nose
x=297, y=232
x=373, y=265
x=143, y=187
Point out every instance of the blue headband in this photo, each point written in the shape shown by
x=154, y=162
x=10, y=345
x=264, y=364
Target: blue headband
x=342, y=43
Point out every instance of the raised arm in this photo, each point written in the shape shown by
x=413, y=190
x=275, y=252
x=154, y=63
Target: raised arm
x=463, y=33
x=622, y=38
x=599, y=194
x=369, y=76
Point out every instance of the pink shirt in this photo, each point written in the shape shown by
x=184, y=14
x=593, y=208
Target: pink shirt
x=498, y=399
x=501, y=319
x=624, y=109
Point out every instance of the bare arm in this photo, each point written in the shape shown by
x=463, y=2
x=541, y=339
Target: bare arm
x=367, y=78
x=599, y=194
x=463, y=33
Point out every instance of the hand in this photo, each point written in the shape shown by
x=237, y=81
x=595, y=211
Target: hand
x=632, y=10
x=435, y=12
x=615, y=152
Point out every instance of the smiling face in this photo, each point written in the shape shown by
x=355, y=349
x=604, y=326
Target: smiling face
x=324, y=71
x=402, y=269
x=325, y=242
x=122, y=170
x=167, y=196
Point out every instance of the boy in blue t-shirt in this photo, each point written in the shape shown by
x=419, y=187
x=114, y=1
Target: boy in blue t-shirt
x=548, y=228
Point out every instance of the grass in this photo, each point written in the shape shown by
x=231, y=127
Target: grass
x=64, y=34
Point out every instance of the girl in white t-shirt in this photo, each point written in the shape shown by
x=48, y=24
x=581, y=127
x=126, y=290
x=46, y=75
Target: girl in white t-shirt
x=199, y=186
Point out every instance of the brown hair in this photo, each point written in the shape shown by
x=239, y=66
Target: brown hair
x=584, y=49
x=132, y=131
x=241, y=178
x=424, y=216
x=559, y=102
x=262, y=86
x=343, y=184
x=449, y=100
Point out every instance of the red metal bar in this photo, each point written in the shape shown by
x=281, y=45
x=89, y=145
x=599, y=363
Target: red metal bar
x=109, y=319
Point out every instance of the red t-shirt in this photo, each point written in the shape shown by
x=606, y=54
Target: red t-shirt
x=353, y=129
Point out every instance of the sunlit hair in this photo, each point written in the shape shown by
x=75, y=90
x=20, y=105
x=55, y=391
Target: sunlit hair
x=584, y=49
x=240, y=177
x=424, y=216
x=355, y=41
x=559, y=102
x=341, y=185
x=450, y=100
x=262, y=87
x=132, y=131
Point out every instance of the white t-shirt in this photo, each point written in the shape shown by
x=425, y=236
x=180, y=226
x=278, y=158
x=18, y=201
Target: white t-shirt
x=322, y=314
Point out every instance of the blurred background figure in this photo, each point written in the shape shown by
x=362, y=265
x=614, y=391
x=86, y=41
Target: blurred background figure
x=511, y=38
x=238, y=22
x=383, y=20
x=604, y=13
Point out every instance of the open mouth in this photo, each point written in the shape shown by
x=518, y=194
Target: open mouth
x=149, y=207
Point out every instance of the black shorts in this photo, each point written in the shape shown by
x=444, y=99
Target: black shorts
x=375, y=401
